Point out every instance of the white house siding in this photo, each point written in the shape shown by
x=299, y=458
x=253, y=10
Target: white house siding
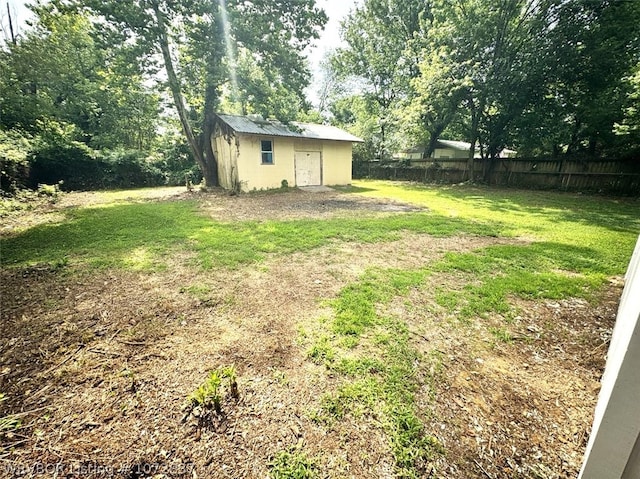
x=613, y=451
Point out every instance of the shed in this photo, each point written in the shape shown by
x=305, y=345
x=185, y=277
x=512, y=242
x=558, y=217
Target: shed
x=254, y=153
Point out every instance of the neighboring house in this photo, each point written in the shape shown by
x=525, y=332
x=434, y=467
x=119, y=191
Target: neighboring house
x=446, y=149
x=254, y=153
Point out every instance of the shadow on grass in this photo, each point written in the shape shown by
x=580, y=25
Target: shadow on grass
x=352, y=189
x=140, y=236
x=616, y=214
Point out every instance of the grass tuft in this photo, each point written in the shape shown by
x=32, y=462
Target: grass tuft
x=293, y=464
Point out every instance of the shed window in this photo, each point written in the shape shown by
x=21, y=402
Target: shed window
x=267, y=152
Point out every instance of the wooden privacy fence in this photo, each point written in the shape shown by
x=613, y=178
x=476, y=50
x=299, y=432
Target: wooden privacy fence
x=607, y=175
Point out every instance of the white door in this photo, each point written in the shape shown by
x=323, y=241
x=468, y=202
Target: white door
x=308, y=168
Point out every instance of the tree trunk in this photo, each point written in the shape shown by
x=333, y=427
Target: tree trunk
x=433, y=138
x=176, y=92
x=210, y=172
x=475, y=121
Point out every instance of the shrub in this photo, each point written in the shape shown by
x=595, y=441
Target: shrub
x=130, y=168
x=176, y=161
x=14, y=160
x=73, y=163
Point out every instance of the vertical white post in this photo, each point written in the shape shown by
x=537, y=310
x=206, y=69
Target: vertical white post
x=613, y=451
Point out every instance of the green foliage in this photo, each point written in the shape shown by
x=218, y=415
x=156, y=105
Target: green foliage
x=210, y=394
x=502, y=334
x=8, y=423
x=380, y=56
x=293, y=464
x=540, y=77
x=58, y=70
x=381, y=383
x=250, y=51
x=80, y=168
x=14, y=165
x=321, y=352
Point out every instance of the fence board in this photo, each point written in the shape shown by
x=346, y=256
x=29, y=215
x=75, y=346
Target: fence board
x=607, y=175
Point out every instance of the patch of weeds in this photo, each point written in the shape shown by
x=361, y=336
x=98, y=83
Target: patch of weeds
x=8, y=423
x=355, y=308
x=446, y=298
x=198, y=291
x=501, y=334
x=349, y=342
x=322, y=351
x=382, y=383
x=293, y=464
x=355, y=398
x=280, y=377
x=205, y=403
x=359, y=366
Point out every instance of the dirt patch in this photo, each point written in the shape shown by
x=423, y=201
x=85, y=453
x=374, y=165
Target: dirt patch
x=100, y=365
x=295, y=204
x=518, y=405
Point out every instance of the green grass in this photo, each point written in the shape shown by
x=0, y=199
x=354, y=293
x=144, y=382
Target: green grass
x=567, y=246
x=293, y=464
x=601, y=231
x=568, y=252
x=138, y=236
x=380, y=374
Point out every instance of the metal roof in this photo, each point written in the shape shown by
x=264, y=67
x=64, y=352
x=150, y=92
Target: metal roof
x=257, y=126
x=454, y=145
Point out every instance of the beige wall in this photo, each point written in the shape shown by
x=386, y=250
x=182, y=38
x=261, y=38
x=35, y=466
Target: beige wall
x=251, y=171
x=336, y=161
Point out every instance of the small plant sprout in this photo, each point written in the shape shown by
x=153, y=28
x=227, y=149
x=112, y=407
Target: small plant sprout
x=208, y=398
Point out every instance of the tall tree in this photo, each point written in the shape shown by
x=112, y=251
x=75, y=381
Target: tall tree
x=56, y=71
x=592, y=48
x=489, y=53
x=380, y=36
x=197, y=41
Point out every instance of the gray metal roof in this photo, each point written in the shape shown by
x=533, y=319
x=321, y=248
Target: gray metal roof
x=258, y=126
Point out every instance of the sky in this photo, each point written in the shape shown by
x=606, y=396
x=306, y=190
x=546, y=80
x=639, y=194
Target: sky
x=336, y=10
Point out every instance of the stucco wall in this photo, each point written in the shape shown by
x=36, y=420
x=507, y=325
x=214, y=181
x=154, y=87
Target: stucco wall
x=254, y=174
x=335, y=155
x=336, y=163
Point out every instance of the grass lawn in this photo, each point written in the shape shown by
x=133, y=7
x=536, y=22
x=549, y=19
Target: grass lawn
x=357, y=321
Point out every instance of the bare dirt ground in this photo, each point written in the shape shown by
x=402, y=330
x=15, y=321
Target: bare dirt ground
x=97, y=365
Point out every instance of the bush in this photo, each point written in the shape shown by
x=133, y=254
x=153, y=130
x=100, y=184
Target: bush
x=73, y=163
x=14, y=160
x=177, y=162
x=81, y=168
x=129, y=169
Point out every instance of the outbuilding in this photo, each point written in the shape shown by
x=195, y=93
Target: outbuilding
x=254, y=153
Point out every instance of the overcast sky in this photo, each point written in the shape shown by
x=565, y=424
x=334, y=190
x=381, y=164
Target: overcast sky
x=336, y=10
